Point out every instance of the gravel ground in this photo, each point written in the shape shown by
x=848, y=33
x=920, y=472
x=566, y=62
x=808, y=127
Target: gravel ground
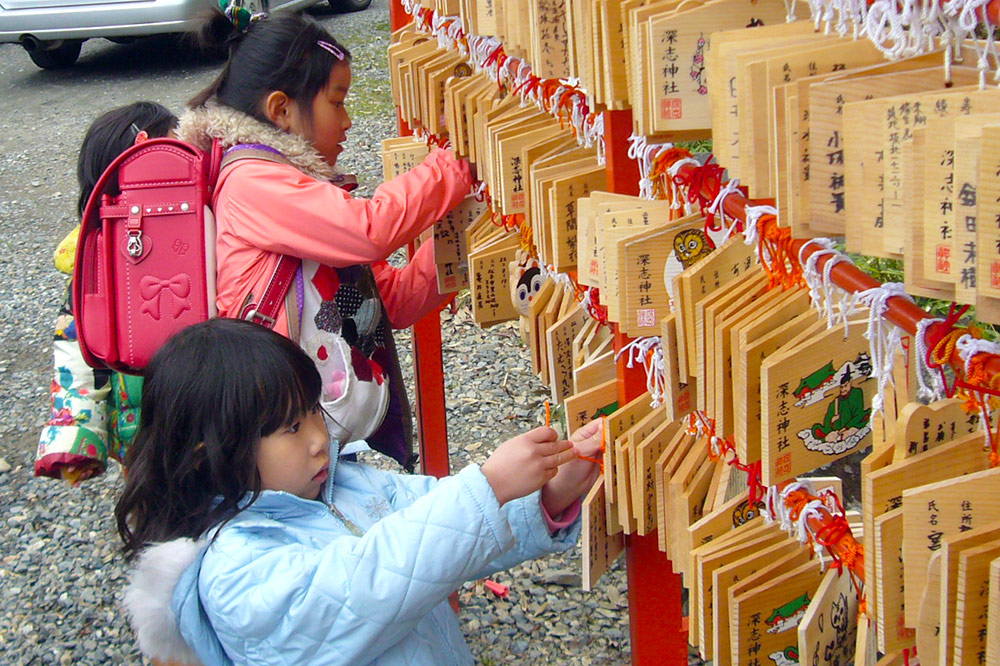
x=61, y=575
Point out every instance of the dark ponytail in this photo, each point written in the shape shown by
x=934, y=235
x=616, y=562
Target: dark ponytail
x=275, y=53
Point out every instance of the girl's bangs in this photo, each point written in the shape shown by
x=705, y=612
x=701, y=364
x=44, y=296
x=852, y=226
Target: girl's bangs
x=288, y=389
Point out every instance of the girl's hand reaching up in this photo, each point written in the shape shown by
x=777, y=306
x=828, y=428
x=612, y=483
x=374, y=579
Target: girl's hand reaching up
x=577, y=476
x=523, y=464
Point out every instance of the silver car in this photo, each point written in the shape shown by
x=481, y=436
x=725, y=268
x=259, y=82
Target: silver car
x=51, y=31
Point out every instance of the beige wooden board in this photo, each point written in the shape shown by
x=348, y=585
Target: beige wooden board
x=632, y=499
x=928, y=628
x=814, y=402
x=637, y=40
x=736, y=577
x=614, y=227
x=730, y=516
x=589, y=404
x=865, y=651
x=828, y=630
x=648, y=452
x=987, y=233
x=600, y=548
x=678, y=391
x=895, y=124
x=935, y=511
x=972, y=602
x=449, y=241
x=829, y=55
x=596, y=213
x=542, y=176
x=624, y=418
x=879, y=458
x=491, y=302
x=546, y=320
x=597, y=370
x=642, y=260
x=623, y=485
x=564, y=194
x=401, y=155
x=748, y=360
x=765, y=617
x=707, y=275
x=720, y=63
x=666, y=464
x=887, y=565
x=678, y=78
x=952, y=546
x=789, y=305
x=993, y=617
x=547, y=23
x=693, y=473
x=749, y=540
x=706, y=310
x=512, y=197
x=829, y=167
x=560, y=351
x=968, y=150
x=921, y=428
x=536, y=307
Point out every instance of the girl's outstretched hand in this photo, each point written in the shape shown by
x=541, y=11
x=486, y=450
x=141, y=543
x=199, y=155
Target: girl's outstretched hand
x=523, y=464
x=577, y=476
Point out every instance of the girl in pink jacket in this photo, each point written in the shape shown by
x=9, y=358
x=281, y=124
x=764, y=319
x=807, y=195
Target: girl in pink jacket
x=282, y=95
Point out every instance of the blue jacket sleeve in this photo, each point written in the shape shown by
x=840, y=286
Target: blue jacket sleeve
x=357, y=595
x=524, y=515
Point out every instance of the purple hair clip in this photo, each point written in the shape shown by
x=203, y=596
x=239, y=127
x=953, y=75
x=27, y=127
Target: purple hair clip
x=331, y=48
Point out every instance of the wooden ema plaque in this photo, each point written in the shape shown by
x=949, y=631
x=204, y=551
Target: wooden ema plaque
x=600, y=547
x=828, y=630
x=816, y=403
x=766, y=617
x=928, y=629
x=889, y=584
x=678, y=390
x=665, y=467
x=648, y=452
x=924, y=427
x=952, y=547
x=734, y=578
x=972, y=602
x=585, y=406
x=747, y=541
x=679, y=86
x=616, y=424
x=993, y=617
x=938, y=510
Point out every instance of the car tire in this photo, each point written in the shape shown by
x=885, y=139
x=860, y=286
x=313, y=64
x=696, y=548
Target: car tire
x=348, y=5
x=60, y=57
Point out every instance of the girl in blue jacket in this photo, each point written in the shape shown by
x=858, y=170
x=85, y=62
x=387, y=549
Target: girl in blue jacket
x=255, y=545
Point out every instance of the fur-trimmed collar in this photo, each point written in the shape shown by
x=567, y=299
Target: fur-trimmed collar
x=215, y=121
x=149, y=595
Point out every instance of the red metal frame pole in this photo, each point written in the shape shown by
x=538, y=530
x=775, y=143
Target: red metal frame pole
x=428, y=365
x=657, y=628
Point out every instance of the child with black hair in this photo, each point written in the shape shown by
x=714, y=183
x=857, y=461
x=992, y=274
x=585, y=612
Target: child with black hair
x=94, y=413
x=257, y=546
x=282, y=94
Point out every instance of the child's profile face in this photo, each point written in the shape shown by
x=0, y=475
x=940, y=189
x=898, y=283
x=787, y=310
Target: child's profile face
x=330, y=120
x=296, y=458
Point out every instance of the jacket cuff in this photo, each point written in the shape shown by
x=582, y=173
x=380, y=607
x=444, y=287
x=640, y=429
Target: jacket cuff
x=479, y=487
x=565, y=519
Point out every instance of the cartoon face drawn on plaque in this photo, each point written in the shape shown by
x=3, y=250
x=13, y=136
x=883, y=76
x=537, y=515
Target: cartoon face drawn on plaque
x=845, y=423
x=745, y=512
x=529, y=283
x=690, y=246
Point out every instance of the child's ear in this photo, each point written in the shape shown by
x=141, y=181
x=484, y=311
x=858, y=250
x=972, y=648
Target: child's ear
x=279, y=109
x=141, y=137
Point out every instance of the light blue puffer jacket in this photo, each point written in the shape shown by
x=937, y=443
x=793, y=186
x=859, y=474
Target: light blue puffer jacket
x=286, y=581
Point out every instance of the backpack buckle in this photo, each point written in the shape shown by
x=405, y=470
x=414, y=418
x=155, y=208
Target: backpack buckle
x=134, y=246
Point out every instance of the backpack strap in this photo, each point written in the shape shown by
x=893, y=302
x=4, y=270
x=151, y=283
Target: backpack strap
x=265, y=310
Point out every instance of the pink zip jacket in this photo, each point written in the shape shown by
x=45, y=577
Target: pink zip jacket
x=264, y=209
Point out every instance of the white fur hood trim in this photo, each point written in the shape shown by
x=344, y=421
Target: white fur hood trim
x=202, y=125
x=149, y=595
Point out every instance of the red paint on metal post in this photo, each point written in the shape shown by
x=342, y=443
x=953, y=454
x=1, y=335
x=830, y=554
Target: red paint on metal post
x=657, y=628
